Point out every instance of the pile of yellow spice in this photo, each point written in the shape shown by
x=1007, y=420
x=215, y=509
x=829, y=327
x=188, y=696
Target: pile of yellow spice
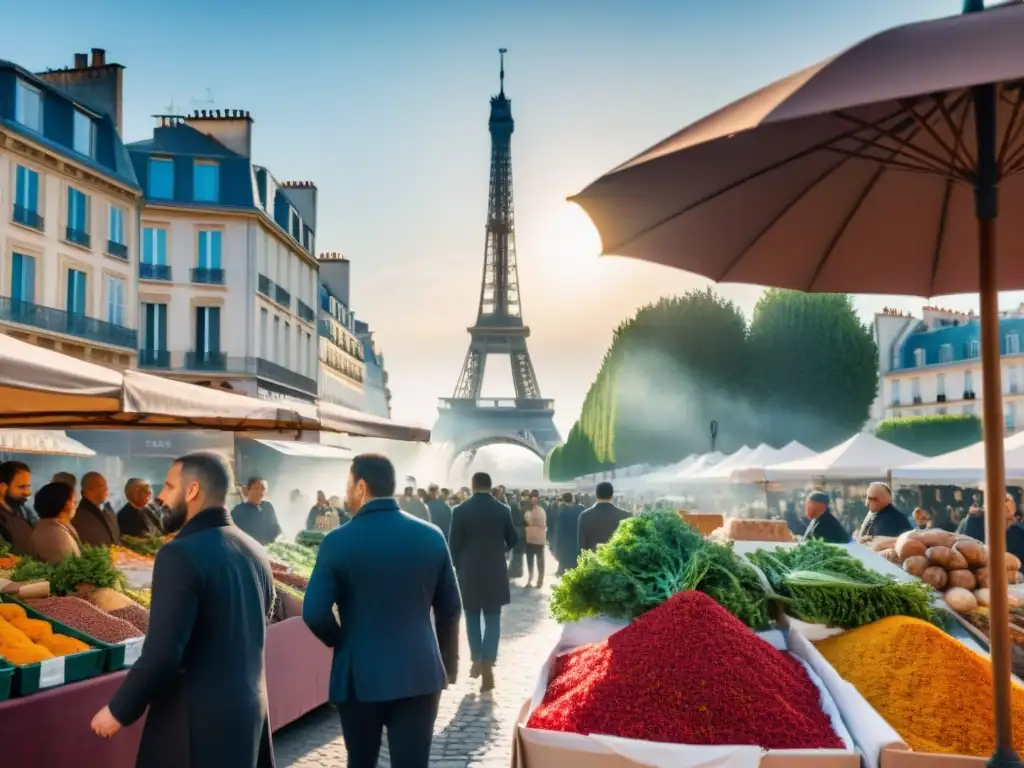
x=933, y=690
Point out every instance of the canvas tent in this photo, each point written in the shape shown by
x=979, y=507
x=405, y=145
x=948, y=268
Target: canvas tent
x=862, y=457
x=752, y=469
x=720, y=472
x=965, y=466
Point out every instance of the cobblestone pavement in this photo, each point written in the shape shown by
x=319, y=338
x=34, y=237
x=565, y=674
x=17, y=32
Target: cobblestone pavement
x=472, y=731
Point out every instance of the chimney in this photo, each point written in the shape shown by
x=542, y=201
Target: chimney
x=334, y=274
x=303, y=195
x=231, y=127
x=98, y=85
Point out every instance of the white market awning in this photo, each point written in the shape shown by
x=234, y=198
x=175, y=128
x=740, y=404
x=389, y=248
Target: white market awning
x=306, y=450
x=862, y=457
x=52, y=442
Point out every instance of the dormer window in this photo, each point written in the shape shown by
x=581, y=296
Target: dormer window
x=919, y=357
x=295, y=225
x=84, y=134
x=206, y=182
x=28, y=106
x=161, y=178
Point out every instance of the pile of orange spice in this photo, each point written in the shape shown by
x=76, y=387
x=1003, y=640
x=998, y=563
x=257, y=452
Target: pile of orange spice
x=934, y=691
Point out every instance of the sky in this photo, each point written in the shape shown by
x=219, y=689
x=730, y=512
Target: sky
x=384, y=106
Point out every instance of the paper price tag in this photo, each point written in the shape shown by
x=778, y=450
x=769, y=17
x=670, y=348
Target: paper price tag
x=51, y=672
x=132, y=650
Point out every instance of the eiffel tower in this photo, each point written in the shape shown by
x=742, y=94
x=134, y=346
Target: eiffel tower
x=466, y=422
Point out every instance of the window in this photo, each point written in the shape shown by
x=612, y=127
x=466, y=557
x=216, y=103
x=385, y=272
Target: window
x=309, y=355
x=154, y=246
x=28, y=106
x=23, y=278
x=946, y=353
x=85, y=134
x=207, y=331
x=971, y=348
x=1013, y=344
x=277, y=340
x=915, y=390
x=1011, y=417
x=968, y=382
x=919, y=357
x=76, y=298
x=116, y=225
x=206, y=182
x=261, y=187
x=264, y=322
x=296, y=224
x=161, y=178
x=115, y=301
x=286, y=356
x=209, y=249
x=300, y=351
x=154, y=327
x=940, y=385
x=26, y=192
x=78, y=214
x=1013, y=379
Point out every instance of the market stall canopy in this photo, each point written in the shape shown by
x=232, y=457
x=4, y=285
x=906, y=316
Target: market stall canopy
x=301, y=450
x=349, y=422
x=965, y=466
x=753, y=467
x=664, y=474
x=862, y=457
x=51, y=442
x=704, y=462
x=720, y=471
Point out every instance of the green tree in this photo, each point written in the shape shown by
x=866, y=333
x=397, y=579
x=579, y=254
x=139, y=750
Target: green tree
x=813, y=367
x=931, y=435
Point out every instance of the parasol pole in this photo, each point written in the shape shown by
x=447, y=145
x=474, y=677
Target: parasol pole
x=986, y=200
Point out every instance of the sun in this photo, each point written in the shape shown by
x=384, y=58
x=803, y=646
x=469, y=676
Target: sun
x=572, y=247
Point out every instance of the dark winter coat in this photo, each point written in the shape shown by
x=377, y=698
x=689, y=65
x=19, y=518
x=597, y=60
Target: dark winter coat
x=827, y=528
x=598, y=523
x=441, y=516
x=96, y=527
x=888, y=521
x=482, y=534
x=566, y=537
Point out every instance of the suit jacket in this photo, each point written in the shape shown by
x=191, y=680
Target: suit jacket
x=598, y=523
x=203, y=655
x=133, y=521
x=15, y=530
x=96, y=527
x=260, y=522
x=441, y=516
x=52, y=541
x=415, y=507
x=888, y=521
x=482, y=534
x=385, y=571
x=973, y=525
x=827, y=528
x=567, y=537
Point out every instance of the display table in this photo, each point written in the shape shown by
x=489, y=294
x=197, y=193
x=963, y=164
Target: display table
x=51, y=728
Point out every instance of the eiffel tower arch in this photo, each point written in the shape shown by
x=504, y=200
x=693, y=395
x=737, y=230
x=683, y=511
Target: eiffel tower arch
x=466, y=421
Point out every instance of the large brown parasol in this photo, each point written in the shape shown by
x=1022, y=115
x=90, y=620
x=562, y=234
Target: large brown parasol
x=880, y=170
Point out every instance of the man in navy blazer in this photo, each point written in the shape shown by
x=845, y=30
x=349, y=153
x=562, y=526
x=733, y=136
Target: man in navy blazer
x=384, y=572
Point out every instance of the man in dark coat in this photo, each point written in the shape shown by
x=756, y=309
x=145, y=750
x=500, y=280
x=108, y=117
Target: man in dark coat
x=440, y=512
x=824, y=525
x=883, y=519
x=203, y=655
x=482, y=535
x=94, y=521
x=256, y=516
x=411, y=504
x=136, y=517
x=567, y=533
x=384, y=573
x=598, y=523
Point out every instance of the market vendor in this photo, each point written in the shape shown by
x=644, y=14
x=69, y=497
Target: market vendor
x=54, y=538
x=824, y=525
x=883, y=519
x=256, y=516
x=15, y=491
x=137, y=517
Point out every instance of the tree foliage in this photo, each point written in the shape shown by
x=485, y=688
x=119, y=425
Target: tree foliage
x=931, y=435
x=684, y=361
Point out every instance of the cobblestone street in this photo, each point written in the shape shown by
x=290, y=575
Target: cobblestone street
x=472, y=730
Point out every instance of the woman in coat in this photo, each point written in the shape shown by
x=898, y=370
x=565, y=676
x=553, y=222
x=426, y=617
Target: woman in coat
x=53, y=538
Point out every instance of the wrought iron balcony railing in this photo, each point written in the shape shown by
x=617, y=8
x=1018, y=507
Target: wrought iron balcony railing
x=208, y=275
x=118, y=250
x=154, y=358
x=155, y=272
x=78, y=237
x=206, y=360
x=72, y=324
x=28, y=218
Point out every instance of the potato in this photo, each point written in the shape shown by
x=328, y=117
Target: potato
x=960, y=600
x=890, y=555
x=1012, y=562
x=981, y=595
x=963, y=578
x=916, y=565
x=936, y=537
x=880, y=543
x=981, y=574
x=935, y=576
x=908, y=547
x=975, y=553
x=942, y=556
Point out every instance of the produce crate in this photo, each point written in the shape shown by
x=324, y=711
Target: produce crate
x=30, y=678
x=6, y=673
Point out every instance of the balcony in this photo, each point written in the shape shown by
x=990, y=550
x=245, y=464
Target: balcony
x=28, y=218
x=208, y=276
x=117, y=250
x=59, y=321
x=266, y=286
x=282, y=297
x=206, y=360
x=304, y=311
x=268, y=370
x=78, y=237
x=155, y=272
x=154, y=358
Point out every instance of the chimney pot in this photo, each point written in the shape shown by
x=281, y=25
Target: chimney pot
x=99, y=57
x=218, y=113
x=81, y=60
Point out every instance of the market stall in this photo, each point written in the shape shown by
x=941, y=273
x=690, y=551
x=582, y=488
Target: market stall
x=862, y=457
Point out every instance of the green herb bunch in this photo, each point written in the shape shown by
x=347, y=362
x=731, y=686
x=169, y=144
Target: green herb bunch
x=650, y=558
x=93, y=567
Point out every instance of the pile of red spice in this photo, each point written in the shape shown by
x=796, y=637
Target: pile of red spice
x=687, y=672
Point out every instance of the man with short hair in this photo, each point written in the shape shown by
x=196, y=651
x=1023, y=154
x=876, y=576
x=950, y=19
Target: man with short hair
x=567, y=533
x=256, y=515
x=94, y=522
x=883, y=519
x=65, y=477
x=382, y=575
x=482, y=535
x=15, y=491
x=411, y=504
x=823, y=524
x=598, y=523
x=203, y=658
x=440, y=512
x=136, y=517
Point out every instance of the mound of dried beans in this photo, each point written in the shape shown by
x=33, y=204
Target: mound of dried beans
x=86, y=618
x=135, y=615
x=687, y=672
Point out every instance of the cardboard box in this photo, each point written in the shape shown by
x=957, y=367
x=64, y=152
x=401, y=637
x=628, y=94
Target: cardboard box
x=532, y=748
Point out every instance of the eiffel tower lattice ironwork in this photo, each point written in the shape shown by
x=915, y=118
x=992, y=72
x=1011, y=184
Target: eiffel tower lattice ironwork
x=465, y=420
